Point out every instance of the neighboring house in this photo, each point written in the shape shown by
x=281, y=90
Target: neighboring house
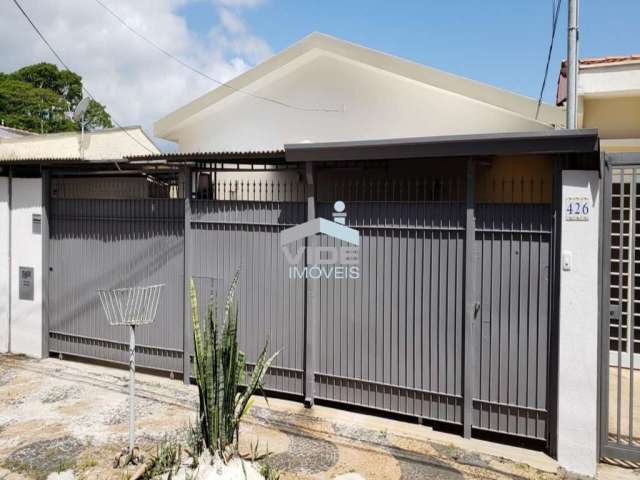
x=8, y=133
x=608, y=99
x=368, y=94
x=106, y=145
x=23, y=195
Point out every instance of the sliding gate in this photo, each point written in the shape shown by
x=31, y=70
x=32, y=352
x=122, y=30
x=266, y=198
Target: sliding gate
x=97, y=243
x=450, y=318
x=394, y=339
x=620, y=358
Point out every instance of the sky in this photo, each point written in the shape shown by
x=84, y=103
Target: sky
x=500, y=42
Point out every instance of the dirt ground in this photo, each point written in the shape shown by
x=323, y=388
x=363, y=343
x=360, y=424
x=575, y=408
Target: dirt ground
x=57, y=414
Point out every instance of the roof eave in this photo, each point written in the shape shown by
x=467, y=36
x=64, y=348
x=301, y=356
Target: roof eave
x=549, y=142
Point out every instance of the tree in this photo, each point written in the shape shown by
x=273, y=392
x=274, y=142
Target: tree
x=41, y=98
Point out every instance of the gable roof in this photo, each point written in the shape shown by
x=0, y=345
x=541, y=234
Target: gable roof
x=107, y=144
x=504, y=99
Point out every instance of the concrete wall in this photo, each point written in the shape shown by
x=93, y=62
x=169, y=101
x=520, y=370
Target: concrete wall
x=26, y=246
x=613, y=117
x=578, y=353
x=4, y=264
x=373, y=104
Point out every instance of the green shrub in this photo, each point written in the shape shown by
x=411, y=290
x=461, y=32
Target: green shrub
x=220, y=371
x=166, y=459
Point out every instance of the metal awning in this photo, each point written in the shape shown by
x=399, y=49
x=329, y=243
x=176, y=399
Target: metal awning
x=584, y=141
x=274, y=156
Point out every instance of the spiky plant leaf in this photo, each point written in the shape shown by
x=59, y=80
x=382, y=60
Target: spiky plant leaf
x=220, y=369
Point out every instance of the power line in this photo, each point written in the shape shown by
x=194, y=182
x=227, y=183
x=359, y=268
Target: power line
x=208, y=77
x=46, y=42
x=554, y=24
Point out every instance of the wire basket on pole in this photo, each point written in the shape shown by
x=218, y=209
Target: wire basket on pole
x=131, y=307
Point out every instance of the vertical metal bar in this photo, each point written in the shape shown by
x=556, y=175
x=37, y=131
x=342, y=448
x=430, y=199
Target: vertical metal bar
x=469, y=300
x=186, y=350
x=44, y=229
x=312, y=293
x=605, y=311
x=132, y=385
x=621, y=256
x=631, y=323
x=554, y=298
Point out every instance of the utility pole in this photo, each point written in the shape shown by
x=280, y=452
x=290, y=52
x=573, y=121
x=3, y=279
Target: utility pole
x=572, y=65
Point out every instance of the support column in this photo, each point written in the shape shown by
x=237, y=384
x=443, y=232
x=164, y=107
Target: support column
x=186, y=239
x=312, y=293
x=5, y=282
x=577, y=429
x=44, y=225
x=469, y=300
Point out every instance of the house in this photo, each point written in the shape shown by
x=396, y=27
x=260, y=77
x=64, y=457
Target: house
x=608, y=99
x=100, y=146
x=24, y=193
x=448, y=203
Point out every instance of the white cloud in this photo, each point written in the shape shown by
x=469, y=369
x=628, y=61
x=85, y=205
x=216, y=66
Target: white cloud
x=239, y=3
x=137, y=83
x=232, y=21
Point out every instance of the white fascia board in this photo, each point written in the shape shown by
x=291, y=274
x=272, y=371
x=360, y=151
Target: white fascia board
x=607, y=80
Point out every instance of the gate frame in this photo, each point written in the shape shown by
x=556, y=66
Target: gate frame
x=606, y=448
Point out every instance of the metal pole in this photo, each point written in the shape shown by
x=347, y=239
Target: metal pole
x=186, y=299
x=132, y=385
x=572, y=65
x=470, y=301
x=312, y=292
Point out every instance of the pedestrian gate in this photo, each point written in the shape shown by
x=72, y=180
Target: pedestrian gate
x=620, y=352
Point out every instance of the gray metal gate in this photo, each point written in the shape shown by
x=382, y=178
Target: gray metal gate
x=395, y=339
x=450, y=320
x=392, y=340
x=620, y=348
x=240, y=232
x=108, y=244
x=511, y=371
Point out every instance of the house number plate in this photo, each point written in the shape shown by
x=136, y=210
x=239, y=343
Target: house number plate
x=577, y=209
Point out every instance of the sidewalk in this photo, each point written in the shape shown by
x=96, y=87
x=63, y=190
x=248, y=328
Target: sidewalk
x=55, y=413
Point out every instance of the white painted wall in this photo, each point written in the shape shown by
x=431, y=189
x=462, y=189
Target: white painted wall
x=578, y=353
x=26, y=316
x=377, y=105
x=4, y=264
x=607, y=79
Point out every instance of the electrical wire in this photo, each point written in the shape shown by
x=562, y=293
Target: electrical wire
x=62, y=62
x=208, y=77
x=554, y=24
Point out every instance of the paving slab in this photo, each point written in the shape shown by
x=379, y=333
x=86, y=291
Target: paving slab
x=57, y=415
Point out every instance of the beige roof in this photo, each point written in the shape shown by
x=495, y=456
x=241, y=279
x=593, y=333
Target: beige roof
x=107, y=144
x=9, y=132
x=509, y=101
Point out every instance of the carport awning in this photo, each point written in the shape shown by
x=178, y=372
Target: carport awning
x=583, y=141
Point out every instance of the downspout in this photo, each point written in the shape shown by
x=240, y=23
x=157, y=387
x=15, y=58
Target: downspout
x=10, y=205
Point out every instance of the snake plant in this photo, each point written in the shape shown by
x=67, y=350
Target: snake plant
x=220, y=372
